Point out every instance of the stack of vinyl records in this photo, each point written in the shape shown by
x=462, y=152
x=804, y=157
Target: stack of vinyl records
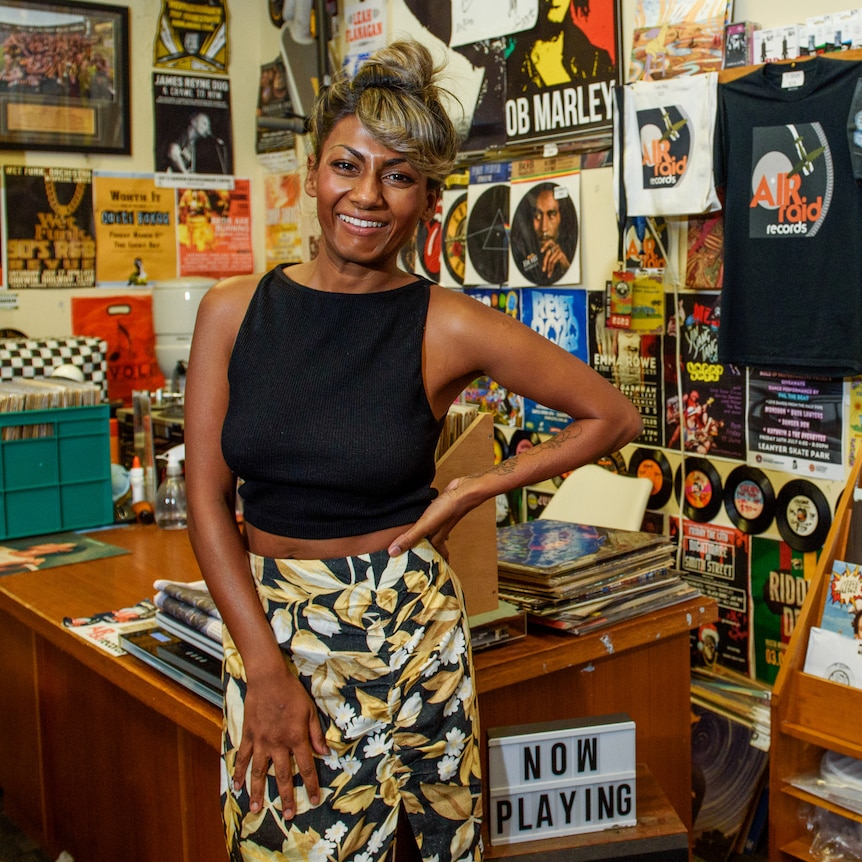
x=736, y=697
x=580, y=578
x=185, y=643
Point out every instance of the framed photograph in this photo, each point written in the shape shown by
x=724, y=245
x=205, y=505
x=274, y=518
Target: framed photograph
x=64, y=80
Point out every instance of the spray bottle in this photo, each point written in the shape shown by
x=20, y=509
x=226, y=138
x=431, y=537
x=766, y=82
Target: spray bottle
x=171, y=495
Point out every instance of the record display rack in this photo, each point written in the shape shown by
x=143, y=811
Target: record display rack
x=810, y=715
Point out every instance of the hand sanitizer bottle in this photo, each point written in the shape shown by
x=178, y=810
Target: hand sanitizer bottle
x=171, y=494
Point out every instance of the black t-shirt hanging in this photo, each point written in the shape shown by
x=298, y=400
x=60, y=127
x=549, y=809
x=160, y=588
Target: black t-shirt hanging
x=792, y=296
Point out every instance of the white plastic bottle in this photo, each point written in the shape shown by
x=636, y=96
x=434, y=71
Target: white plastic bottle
x=171, y=510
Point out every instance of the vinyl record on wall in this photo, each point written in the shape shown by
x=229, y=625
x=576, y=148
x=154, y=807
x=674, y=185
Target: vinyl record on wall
x=522, y=440
x=614, y=462
x=803, y=516
x=749, y=499
x=501, y=446
x=455, y=239
x=653, y=464
x=488, y=235
x=701, y=490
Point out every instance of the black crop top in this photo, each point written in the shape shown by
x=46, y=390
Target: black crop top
x=328, y=422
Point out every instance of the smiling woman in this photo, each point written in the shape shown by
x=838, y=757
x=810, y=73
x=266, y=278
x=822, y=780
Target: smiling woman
x=348, y=672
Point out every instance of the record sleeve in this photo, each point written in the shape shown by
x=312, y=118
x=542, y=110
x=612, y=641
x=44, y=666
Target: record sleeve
x=653, y=465
x=749, y=499
x=544, y=237
x=701, y=491
x=553, y=547
x=454, y=240
x=488, y=235
x=802, y=514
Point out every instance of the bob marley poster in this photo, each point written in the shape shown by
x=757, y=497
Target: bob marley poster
x=523, y=70
x=561, y=73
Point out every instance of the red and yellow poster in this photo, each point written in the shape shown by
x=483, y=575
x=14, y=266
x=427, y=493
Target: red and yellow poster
x=214, y=230
x=283, y=234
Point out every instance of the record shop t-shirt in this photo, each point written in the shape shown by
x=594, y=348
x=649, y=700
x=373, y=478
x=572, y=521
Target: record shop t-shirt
x=792, y=296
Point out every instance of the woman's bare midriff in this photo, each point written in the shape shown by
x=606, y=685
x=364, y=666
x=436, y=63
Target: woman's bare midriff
x=284, y=547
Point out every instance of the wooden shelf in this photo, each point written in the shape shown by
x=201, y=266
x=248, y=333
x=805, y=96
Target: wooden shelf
x=810, y=714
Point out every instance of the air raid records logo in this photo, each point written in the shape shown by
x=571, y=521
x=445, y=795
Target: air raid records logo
x=791, y=180
x=665, y=136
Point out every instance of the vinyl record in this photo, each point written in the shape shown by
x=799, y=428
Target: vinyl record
x=803, y=516
x=701, y=490
x=749, y=499
x=613, y=462
x=501, y=446
x=522, y=440
x=455, y=239
x=652, y=464
x=488, y=236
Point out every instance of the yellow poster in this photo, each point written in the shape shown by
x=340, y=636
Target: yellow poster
x=135, y=229
x=283, y=234
x=192, y=36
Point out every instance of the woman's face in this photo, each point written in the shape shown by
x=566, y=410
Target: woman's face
x=369, y=198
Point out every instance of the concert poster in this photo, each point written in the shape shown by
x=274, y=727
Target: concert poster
x=192, y=125
x=214, y=230
x=795, y=424
x=50, y=230
x=192, y=36
x=780, y=578
x=632, y=362
x=136, y=229
x=283, y=196
x=713, y=395
x=715, y=560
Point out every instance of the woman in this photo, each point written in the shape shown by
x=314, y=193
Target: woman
x=323, y=386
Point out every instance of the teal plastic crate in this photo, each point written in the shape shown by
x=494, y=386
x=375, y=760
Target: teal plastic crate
x=61, y=481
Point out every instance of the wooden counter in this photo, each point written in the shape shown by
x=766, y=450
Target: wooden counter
x=108, y=759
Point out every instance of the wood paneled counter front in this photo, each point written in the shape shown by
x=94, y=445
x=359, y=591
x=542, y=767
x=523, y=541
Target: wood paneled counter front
x=109, y=760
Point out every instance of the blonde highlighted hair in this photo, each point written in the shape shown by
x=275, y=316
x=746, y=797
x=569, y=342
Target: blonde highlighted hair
x=395, y=94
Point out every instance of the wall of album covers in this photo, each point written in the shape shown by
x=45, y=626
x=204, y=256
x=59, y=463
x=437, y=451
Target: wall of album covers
x=747, y=458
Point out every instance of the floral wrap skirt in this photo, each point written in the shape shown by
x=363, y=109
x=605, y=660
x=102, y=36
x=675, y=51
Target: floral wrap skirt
x=382, y=646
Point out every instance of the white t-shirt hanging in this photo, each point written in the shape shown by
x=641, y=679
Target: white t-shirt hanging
x=663, y=145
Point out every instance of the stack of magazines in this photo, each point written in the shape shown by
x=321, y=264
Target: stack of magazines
x=185, y=643
x=579, y=578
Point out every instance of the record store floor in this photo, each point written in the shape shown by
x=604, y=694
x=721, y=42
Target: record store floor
x=14, y=845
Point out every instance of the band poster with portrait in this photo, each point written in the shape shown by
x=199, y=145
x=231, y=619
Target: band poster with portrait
x=524, y=70
x=192, y=124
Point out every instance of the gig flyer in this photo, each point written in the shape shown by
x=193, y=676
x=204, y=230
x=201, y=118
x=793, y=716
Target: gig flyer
x=283, y=233
x=715, y=560
x=780, y=578
x=632, y=362
x=214, y=232
x=795, y=424
x=713, y=395
x=49, y=227
x=192, y=36
x=136, y=229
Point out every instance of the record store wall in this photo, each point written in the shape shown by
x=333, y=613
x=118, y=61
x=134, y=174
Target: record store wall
x=747, y=464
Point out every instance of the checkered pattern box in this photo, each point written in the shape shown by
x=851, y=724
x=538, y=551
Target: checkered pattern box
x=28, y=357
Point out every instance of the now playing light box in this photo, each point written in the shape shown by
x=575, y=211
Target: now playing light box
x=561, y=778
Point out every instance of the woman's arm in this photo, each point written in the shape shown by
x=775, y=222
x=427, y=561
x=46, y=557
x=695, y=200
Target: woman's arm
x=280, y=719
x=466, y=339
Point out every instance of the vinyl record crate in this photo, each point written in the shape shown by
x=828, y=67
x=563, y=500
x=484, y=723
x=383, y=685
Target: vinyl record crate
x=55, y=472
